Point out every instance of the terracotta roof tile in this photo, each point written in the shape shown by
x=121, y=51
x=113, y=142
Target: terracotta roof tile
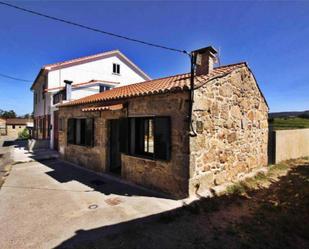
x=103, y=108
x=18, y=121
x=156, y=86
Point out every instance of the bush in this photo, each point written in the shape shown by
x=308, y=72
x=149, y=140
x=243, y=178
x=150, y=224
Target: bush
x=304, y=115
x=24, y=134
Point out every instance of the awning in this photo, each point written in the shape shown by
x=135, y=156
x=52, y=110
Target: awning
x=103, y=108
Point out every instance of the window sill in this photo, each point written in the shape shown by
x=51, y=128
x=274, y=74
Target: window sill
x=117, y=74
x=142, y=157
x=80, y=145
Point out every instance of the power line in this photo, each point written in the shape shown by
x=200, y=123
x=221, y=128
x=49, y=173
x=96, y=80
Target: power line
x=13, y=78
x=93, y=29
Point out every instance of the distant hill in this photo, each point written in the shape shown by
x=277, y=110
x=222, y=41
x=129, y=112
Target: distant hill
x=288, y=114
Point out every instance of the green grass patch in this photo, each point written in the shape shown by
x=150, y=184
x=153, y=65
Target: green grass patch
x=289, y=123
x=278, y=167
x=236, y=189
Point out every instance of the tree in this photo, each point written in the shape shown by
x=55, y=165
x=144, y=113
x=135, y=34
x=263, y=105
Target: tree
x=24, y=134
x=7, y=114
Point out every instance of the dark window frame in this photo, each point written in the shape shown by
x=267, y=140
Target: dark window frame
x=116, y=68
x=59, y=96
x=133, y=141
x=142, y=136
x=81, y=131
x=104, y=88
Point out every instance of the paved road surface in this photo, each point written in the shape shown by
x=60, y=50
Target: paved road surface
x=44, y=204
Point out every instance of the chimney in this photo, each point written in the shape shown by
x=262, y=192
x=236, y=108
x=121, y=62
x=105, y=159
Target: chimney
x=205, y=58
x=68, y=89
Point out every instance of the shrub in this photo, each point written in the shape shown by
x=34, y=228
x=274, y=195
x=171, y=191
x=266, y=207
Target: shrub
x=304, y=115
x=24, y=134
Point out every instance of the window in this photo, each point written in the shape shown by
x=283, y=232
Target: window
x=35, y=98
x=116, y=68
x=43, y=91
x=41, y=125
x=144, y=142
x=146, y=136
x=81, y=131
x=104, y=88
x=61, y=124
x=13, y=126
x=59, y=96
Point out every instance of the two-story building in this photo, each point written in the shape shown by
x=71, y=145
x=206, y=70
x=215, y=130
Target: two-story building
x=74, y=79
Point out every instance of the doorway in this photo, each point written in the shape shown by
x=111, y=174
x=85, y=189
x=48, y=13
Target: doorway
x=114, y=140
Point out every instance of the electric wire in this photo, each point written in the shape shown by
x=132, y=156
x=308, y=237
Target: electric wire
x=92, y=29
x=13, y=78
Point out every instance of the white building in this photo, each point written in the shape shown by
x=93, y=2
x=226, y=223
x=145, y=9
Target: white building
x=83, y=76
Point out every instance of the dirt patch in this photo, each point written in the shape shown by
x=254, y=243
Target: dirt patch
x=113, y=201
x=267, y=211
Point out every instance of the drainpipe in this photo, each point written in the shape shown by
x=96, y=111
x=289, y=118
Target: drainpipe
x=192, y=132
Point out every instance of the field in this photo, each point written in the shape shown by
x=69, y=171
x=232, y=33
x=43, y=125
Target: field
x=289, y=123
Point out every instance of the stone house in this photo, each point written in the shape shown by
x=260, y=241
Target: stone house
x=14, y=126
x=155, y=134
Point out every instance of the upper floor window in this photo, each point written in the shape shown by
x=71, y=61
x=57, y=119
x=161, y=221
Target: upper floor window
x=116, y=68
x=59, y=96
x=35, y=98
x=43, y=91
x=104, y=88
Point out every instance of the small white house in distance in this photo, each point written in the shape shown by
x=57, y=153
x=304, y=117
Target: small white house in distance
x=77, y=78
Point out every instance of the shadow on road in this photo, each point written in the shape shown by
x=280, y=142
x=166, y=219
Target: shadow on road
x=272, y=217
x=64, y=172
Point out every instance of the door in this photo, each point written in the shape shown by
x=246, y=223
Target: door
x=114, y=142
x=56, y=130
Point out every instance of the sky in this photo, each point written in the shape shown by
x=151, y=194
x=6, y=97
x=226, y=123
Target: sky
x=272, y=37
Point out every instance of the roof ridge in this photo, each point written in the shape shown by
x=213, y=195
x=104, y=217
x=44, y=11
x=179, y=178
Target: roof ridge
x=154, y=86
x=233, y=64
x=80, y=58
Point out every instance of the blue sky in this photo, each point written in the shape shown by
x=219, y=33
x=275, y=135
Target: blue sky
x=273, y=37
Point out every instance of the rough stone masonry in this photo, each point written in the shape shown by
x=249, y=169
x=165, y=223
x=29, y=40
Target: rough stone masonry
x=230, y=119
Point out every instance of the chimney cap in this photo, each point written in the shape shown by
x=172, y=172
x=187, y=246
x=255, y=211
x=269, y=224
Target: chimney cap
x=205, y=49
x=68, y=82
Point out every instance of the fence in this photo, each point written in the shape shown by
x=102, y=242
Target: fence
x=288, y=144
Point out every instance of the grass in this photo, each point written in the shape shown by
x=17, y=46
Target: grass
x=289, y=123
x=270, y=210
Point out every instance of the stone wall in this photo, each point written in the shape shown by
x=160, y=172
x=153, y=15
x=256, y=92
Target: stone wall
x=96, y=157
x=166, y=176
x=230, y=117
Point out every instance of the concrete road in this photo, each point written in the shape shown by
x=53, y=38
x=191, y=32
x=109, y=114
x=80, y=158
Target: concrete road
x=44, y=204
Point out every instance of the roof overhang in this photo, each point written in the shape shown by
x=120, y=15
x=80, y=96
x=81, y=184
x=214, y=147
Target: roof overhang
x=42, y=71
x=116, y=107
x=69, y=63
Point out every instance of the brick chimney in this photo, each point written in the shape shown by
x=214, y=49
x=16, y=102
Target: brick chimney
x=205, y=59
x=68, y=89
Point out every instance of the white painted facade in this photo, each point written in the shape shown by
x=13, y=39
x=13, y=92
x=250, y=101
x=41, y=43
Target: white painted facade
x=98, y=67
